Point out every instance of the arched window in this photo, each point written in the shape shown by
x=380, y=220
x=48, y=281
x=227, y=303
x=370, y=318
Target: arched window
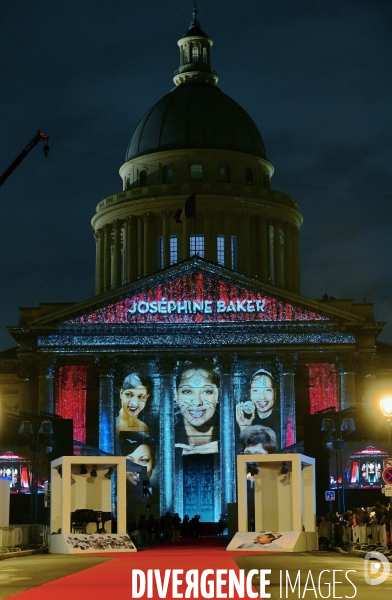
x=204, y=55
x=167, y=174
x=196, y=172
x=249, y=176
x=143, y=178
x=224, y=173
x=195, y=54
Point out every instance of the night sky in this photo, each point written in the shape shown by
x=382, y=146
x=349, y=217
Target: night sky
x=314, y=75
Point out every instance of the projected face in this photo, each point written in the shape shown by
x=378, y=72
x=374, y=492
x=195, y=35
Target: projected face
x=264, y=538
x=262, y=394
x=255, y=449
x=142, y=455
x=134, y=400
x=197, y=396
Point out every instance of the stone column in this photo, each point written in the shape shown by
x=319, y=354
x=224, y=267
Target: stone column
x=166, y=216
x=99, y=261
x=167, y=441
x=227, y=447
x=148, y=242
x=247, y=244
x=26, y=386
x=347, y=370
x=277, y=255
x=367, y=361
x=130, y=249
x=107, y=259
x=287, y=400
x=288, y=257
x=209, y=253
x=106, y=405
x=116, y=270
x=45, y=385
x=140, y=247
x=295, y=262
x=263, y=250
x=185, y=239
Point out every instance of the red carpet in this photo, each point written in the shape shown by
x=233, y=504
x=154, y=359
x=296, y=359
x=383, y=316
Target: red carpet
x=113, y=579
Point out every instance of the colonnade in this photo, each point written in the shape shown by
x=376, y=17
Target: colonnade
x=234, y=380
x=266, y=249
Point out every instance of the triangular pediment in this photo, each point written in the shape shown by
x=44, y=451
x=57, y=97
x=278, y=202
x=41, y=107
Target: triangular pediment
x=195, y=291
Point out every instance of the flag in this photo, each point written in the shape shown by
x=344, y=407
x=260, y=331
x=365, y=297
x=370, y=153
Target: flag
x=188, y=211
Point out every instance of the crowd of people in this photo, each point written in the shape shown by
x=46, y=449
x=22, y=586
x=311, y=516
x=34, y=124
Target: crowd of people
x=169, y=528
x=364, y=526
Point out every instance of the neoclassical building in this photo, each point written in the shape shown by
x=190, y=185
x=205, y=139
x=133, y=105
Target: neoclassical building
x=198, y=307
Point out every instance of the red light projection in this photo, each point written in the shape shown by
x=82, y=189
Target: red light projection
x=71, y=398
x=323, y=388
x=195, y=298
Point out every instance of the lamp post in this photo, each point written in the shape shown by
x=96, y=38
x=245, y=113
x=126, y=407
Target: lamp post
x=37, y=433
x=386, y=409
x=334, y=442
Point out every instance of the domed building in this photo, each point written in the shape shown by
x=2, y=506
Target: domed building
x=198, y=344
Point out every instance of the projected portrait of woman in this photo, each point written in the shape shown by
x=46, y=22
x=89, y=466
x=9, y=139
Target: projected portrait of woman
x=133, y=397
x=140, y=449
x=196, y=415
x=257, y=439
x=260, y=408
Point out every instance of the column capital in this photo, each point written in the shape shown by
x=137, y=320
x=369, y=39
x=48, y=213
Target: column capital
x=165, y=214
x=46, y=366
x=106, y=365
x=347, y=363
x=26, y=369
x=99, y=234
x=287, y=363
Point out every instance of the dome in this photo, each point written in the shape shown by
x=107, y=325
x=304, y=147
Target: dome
x=196, y=116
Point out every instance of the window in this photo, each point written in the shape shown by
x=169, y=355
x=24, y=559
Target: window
x=186, y=55
x=249, y=176
x=167, y=174
x=196, y=245
x=143, y=178
x=224, y=173
x=173, y=251
x=204, y=55
x=220, y=249
x=196, y=172
x=195, y=54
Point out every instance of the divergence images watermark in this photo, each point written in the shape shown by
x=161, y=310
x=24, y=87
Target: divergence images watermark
x=230, y=583
x=373, y=573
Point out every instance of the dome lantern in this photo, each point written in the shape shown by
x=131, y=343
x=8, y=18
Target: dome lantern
x=195, y=56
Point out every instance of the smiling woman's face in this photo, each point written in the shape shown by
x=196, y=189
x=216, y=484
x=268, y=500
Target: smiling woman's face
x=262, y=393
x=142, y=455
x=197, y=396
x=134, y=400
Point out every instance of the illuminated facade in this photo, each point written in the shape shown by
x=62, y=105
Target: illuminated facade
x=198, y=343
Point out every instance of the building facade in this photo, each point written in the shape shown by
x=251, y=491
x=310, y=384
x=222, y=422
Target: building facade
x=198, y=343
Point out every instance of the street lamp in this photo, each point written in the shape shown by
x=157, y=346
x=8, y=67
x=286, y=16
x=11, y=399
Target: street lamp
x=386, y=409
x=37, y=433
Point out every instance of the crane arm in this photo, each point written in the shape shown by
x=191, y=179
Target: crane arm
x=40, y=135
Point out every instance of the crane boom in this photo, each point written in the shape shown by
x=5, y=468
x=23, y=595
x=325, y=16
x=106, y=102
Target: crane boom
x=39, y=136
